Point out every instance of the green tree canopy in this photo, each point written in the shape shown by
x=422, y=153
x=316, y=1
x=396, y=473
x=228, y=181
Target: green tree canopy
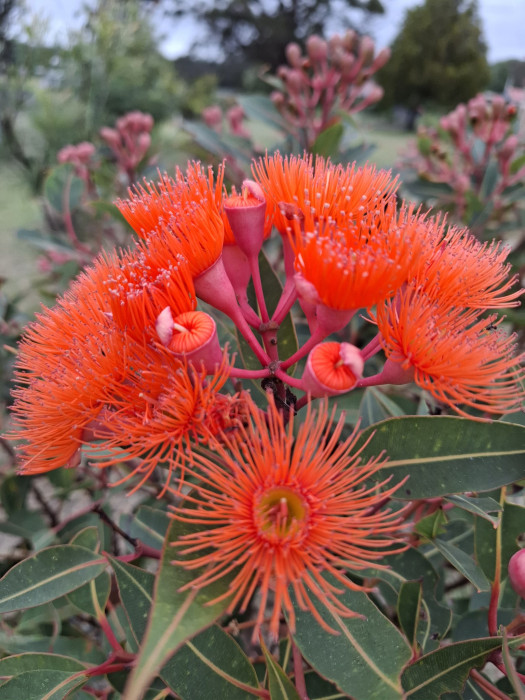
x=257, y=31
x=439, y=56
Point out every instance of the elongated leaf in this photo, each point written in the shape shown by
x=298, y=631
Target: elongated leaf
x=281, y=687
x=366, y=659
x=478, y=506
x=65, y=646
x=136, y=593
x=43, y=684
x=412, y=565
x=92, y=596
x=375, y=407
x=62, y=188
x=409, y=608
x=444, y=455
x=176, y=616
x=327, y=143
x=512, y=520
x=210, y=665
x=48, y=575
x=463, y=563
x=261, y=108
x=512, y=674
x=446, y=669
x=17, y=664
x=149, y=525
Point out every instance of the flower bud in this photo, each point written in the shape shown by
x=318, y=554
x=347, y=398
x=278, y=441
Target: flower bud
x=191, y=335
x=247, y=215
x=332, y=368
x=316, y=48
x=517, y=572
x=294, y=55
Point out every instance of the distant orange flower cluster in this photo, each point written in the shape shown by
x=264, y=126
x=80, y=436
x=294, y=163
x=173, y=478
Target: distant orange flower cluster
x=127, y=369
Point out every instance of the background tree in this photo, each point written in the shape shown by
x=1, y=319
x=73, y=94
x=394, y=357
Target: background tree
x=439, y=56
x=256, y=31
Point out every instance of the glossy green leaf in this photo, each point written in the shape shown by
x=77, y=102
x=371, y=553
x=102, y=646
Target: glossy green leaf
x=328, y=141
x=432, y=525
x=136, y=594
x=261, y=108
x=211, y=665
x=176, y=615
x=490, y=179
x=63, y=189
x=280, y=686
x=44, y=684
x=444, y=455
x=512, y=520
x=17, y=664
x=13, y=493
x=447, y=669
x=81, y=648
x=365, y=659
x=149, y=526
x=463, y=563
x=424, y=189
x=92, y=596
x=48, y=575
x=478, y=506
x=512, y=674
x=412, y=565
x=318, y=688
x=376, y=407
x=409, y=608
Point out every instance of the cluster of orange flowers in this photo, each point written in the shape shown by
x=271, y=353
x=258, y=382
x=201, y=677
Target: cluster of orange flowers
x=126, y=368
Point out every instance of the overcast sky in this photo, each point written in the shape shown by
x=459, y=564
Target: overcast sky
x=503, y=25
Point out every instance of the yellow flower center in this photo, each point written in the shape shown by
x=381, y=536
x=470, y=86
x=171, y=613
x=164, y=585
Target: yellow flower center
x=280, y=511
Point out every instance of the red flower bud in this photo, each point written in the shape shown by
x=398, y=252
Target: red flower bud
x=517, y=572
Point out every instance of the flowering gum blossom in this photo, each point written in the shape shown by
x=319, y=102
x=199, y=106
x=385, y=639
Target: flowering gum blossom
x=332, y=368
x=191, y=335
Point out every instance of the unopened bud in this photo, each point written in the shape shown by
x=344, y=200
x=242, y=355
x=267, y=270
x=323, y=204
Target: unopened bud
x=294, y=55
x=517, y=572
x=316, y=48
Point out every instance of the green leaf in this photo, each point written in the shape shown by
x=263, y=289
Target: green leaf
x=136, y=594
x=375, y=407
x=92, y=596
x=211, y=665
x=48, y=575
x=66, y=646
x=432, y=525
x=412, y=565
x=45, y=684
x=280, y=686
x=149, y=525
x=478, y=506
x=447, y=669
x=517, y=164
x=512, y=674
x=444, y=455
x=176, y=615
x=490, y=179
x=261, y=108
x=365, y=659
x=13, y=493
x=328, y=141
x=425, y=189
x=512, y=520
x=63, y=189
x=409, y=608
x=14, y=665
x=463, y=563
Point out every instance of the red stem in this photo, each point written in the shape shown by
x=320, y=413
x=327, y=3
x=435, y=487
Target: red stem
x=298, y=671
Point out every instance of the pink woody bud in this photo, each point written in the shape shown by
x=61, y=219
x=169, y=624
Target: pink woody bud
x=332, y=369
x=212, y=117
x=294, y=55
x=517, y=572
x=381, y=59
x=294, y=81
x=366, y=50
x=349, y=39
x=316, y=48
x=143, y=143
x=111, y=137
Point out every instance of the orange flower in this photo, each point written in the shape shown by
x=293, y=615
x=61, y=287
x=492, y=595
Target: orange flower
x=76, y=352
x=323, y=191
x=182, y=214
x=451, y=352
x=469, y=273
x=164, y=407
x=65, y=361
x=353, y=266
x=281, y=512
